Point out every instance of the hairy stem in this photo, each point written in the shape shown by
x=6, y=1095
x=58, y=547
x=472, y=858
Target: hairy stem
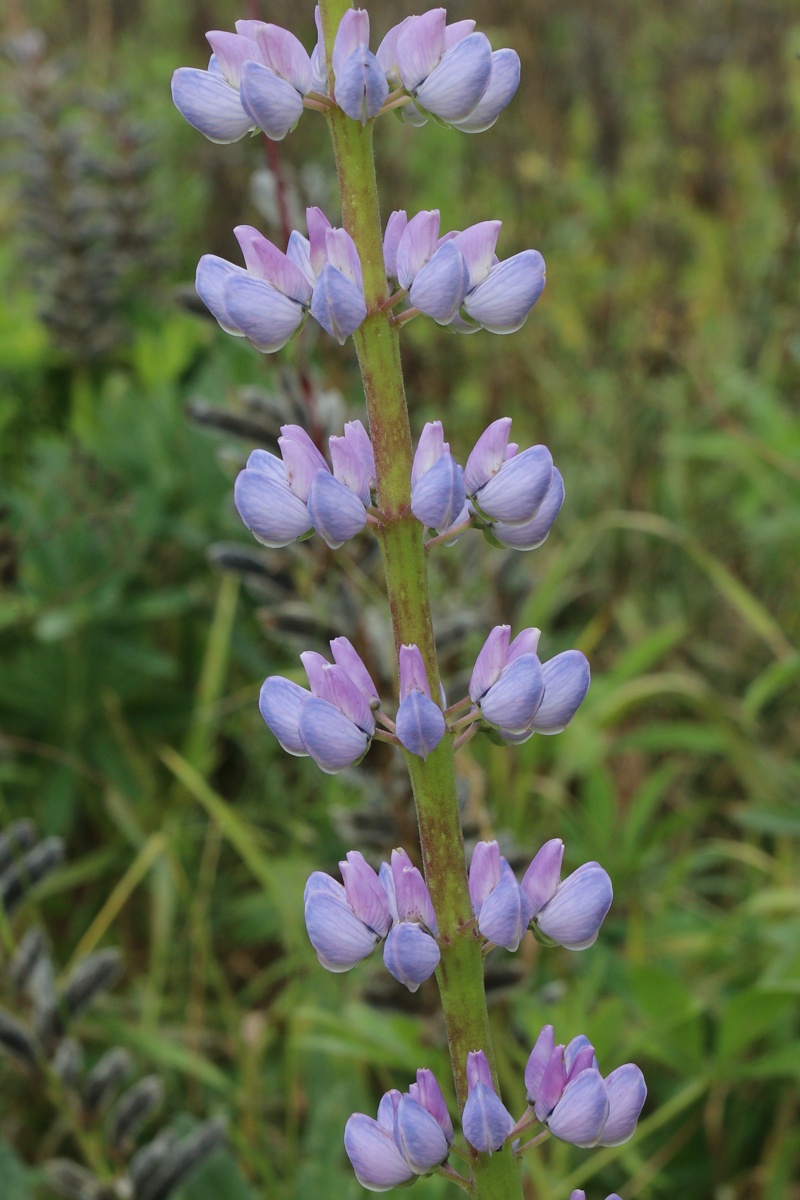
x=460, y=974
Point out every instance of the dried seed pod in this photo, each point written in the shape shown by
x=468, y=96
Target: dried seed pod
x=132, y=1110
x=106, y=1076
x=67, y=1062
x=26, y=956
x=17, y=880
x=17, y=1040
x=149, y=1158
x=183, y=1158
x=74, y=1182
x=14, y=841
x=91, y=977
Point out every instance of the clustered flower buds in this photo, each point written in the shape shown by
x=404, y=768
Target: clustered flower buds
x=572, y=1099
x=412, y=1136
x=346, y=923
x=261, y=77
x=283, y=499
x=414, y=1133
x=565, y=914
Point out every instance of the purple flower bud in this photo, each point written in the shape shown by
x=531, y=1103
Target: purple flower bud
x=353, y=32
x=485, y=872
x=543, y=876
x=420, y=724
x=486, y=1122
x=346, y=656
x=419, y=1136
x=488, y=455
x=267, y=262
x=301, y=459
x=627, y=1092
x=413, y=676
x=411, y=895
x=338, y=304
x=353, y=460
x=428, y=1093
x=410, y=954
x=361, y=86
x=477, y=243
x=340, y=938
x=457, y=83
x=282, y=52
x=505, y=913
x=570, y=1096
x=566, y=682
x=438, y=497
x=417, y=245
x=336, y=513
x=377, y=1160
x=501, y=89
x=364, y=893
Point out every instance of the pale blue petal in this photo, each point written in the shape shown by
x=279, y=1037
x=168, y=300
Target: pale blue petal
x=410, y=954
x=440, y=286
x=581, y=1112
x=212, y=275
x=338, y=304
x=374, y=1154
x=438, y=497
x=420, y=1136
x=574, y=916
x=505, y=913
x=420, y=724
x=270, y=511
x=627, y=1092
x=336, y=513
x=486, y=1122
x=340, y=939
x=265, y=316
x=501, y=90
x=508, y=293
x=208, y=103
x=456, y=85
x=531, y=534
x=512, y=702
x=566, y=682
x=280, y=704
x=361, y=86
x=332, y=740
x=514, y=494
x=274, y=105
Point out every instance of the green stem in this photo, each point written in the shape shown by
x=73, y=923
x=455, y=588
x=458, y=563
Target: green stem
x=460, y=974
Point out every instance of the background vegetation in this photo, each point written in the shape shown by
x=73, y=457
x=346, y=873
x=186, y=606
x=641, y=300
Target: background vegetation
x=651, y=154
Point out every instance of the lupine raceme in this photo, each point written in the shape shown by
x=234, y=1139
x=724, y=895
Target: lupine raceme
x=436, y=913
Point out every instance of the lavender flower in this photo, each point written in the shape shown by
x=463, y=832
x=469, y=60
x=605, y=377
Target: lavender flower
x=498, y=901
x=268, y=300
x=568, y=914
x=519, y=695
x=412, y=1136
x=420, y=722
x=449, y=71
x=282, y=499
x=411, y=952
x=210, y=100
x=430, y=268
x=346, y=923
x=333, y=723
x=438, y=498
x=486, y=1122
x=499, y=294
x=517, y=495
x=571, y=1098
x=360, y=88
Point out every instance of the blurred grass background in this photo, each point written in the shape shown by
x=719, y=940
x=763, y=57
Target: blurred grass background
x=652, y=156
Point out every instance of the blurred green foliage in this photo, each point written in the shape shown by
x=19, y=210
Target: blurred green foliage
x=651, y=155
